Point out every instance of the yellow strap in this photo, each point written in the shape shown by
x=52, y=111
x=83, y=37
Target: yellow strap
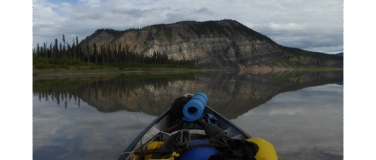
x=155, y=145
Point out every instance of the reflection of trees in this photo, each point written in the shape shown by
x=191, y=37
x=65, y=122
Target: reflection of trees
x=118, y=87
x=229, y=94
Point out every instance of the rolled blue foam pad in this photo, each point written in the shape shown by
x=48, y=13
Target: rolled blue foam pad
x=195, y=107
x=200, y=153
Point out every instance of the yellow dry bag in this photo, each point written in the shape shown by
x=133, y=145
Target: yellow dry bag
x=266, y=149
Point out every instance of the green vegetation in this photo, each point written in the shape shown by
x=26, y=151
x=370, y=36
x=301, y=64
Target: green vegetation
x=279, y=62
x=89, y=56
x=251, y=33
x=321, y=69
x=83, y=56
x=296, y=52
x=66, y=63
x=165, y=30
x=208, y=27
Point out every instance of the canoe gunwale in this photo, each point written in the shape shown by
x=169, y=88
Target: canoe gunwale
x=137, y=139
x=228, y=121
x=134, y=143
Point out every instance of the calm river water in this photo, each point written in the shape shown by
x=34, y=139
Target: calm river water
x=97, y=116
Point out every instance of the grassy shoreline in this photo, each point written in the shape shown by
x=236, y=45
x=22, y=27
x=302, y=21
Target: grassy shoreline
x=113, y=69
x=104, y=71
x=148, y=69
x=52, y=72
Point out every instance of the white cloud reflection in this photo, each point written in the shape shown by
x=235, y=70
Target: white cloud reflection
x=96, y=135
x=304, y=124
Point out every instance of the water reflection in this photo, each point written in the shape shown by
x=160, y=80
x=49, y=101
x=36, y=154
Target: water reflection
x=82, y=132
x=304, y=124
x=154, y=94
x=97, y=117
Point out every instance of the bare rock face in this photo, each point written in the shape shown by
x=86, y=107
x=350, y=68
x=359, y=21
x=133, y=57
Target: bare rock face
x=212, y=44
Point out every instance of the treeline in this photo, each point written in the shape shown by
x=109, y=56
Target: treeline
x=57, y=53
x=316, y=55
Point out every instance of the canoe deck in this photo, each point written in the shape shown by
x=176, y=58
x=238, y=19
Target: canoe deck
x=166, y=120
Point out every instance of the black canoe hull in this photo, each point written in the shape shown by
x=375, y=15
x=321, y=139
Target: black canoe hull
x=165, y=121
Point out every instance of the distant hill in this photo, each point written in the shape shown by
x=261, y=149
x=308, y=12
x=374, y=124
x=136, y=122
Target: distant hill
x=212, y=44
x=339, y=54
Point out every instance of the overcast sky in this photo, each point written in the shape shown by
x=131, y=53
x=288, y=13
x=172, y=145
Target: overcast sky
x=310, y=25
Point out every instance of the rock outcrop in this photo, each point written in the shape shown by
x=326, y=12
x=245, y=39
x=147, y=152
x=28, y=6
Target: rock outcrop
x=212, y=44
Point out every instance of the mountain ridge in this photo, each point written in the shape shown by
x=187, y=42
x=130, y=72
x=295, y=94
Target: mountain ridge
x=339, y=54
x=213, y=44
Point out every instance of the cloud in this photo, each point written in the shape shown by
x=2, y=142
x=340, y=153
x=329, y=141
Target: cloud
x=303, y=36
x=287, y=27
x=303, y=24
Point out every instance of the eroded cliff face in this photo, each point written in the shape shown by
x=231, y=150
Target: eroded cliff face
x=212, y=44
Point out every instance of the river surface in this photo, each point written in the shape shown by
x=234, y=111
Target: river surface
x=97, y=116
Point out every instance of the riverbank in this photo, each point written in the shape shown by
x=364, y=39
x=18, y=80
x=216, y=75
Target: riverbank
x=108, y=70
x=163, y=70
x=105, y=69
x=265, y=69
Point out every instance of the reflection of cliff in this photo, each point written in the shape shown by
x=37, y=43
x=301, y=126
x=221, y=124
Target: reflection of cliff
x=229, y=94
x=233, y=95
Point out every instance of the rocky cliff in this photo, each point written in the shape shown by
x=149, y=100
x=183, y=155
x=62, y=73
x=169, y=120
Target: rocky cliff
x=212, y=44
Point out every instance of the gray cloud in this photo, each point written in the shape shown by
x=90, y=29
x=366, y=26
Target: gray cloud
x=312, y=25
x=205, y=11
x=302, y=35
